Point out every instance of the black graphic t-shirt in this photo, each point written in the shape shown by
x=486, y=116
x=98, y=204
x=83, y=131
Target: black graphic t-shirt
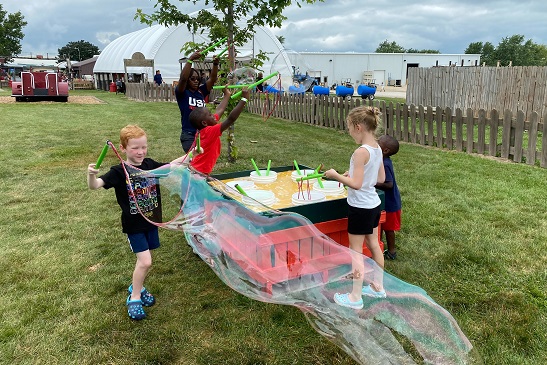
x=146, y=193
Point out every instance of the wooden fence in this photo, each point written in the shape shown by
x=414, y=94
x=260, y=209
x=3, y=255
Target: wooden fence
x=501, y=88
x=508, y=135
x=150, y=92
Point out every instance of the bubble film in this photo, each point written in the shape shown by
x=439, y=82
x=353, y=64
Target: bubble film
x=282, y=258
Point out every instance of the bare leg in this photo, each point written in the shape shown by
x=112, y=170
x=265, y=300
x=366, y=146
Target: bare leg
x=357, y=265
x=142, y=266
x=371, y=240
x=390, y=238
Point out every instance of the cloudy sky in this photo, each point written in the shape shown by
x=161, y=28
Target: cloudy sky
x=334, y=25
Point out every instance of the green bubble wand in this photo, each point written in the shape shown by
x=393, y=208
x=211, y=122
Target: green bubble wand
x=268, y=168
x=102, y=155
x=297, y=168
x=238, y=86
x=319, y=178
x=238, y=94
x=221, y=53
x=240, y=189
x=256, y=167
x=214, y=45
x=311, y=176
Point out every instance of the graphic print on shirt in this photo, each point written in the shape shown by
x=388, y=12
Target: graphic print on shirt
x=196, y=103
x=144, y=194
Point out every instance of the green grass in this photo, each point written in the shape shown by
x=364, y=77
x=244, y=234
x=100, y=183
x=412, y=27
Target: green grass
x=474, y=236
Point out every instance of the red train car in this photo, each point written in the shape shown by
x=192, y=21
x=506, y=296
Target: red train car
x=39, y=86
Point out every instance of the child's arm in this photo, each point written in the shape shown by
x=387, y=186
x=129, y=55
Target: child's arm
x=185, y=159
x=93, y=182
x=223, y=103
x=234, y=114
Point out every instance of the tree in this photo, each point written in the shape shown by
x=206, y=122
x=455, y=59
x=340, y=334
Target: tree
x=255, y=13
x=512, y=50
x=430, y=51
x=389, y=47
x=80, y=50
x=11, y=33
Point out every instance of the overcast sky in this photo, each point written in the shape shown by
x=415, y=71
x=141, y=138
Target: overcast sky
x=333, y=26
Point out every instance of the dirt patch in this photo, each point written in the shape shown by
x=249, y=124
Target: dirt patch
x=71, y=100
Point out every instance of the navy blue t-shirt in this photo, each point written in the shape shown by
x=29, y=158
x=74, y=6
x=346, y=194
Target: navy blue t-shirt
x=188, y=100
x=392, y=196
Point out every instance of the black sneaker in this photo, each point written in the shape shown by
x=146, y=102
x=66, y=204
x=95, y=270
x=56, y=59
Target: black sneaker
x=390, y=256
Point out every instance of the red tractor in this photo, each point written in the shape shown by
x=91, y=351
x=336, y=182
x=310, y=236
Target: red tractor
x=39, y=86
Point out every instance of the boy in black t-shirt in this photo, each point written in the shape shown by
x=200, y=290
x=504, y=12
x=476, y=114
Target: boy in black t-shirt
x=141, y=234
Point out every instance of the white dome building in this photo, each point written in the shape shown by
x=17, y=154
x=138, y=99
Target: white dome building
x=162, y=45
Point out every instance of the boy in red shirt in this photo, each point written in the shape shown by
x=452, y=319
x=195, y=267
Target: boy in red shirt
x=210, y=131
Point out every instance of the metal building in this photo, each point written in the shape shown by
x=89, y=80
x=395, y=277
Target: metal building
x=391, y=69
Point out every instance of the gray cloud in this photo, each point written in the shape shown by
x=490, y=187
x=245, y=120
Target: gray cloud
x=334, y=26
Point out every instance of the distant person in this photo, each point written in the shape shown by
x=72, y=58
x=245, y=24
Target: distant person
x=203, y=78
x=260, y=87
x=365, y=171
x=157, y=78
x=191, y=94
x=142, y=235
x=382, y=87
x=390, y=146
x=210, y=130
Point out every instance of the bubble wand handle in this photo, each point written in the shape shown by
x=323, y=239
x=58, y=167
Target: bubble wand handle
x=319, y=178
x=311, y=176
x=103, y=153
x=198, y=143
x=268, y=168
x=214, y=45
x=238, y=86
x=221, y=53
x=256, y=167
x=238, y=94
x=240, y=189
x=297, y=168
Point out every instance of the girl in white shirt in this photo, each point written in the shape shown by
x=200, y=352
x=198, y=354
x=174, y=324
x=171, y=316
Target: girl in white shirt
x=365, y=171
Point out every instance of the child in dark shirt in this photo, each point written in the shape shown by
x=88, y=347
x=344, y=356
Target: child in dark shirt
x=142, y=235
x=390, y=146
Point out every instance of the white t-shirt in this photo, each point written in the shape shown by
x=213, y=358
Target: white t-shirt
x=366, y=197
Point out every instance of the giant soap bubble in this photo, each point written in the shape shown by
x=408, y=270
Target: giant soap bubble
x=282, y=258
x=294, y=70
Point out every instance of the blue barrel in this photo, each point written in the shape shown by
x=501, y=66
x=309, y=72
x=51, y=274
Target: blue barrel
x=270, y=89
x=320, y=90
x=296, y=90
x=343, y=90
x=365, y=90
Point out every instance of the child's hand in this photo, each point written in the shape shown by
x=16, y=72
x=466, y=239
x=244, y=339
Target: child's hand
x=216, y=60
x=331, y=174
x=91, y=170
x=346, y=174
x=245, y=93
x=196, y=152
x=226, y=91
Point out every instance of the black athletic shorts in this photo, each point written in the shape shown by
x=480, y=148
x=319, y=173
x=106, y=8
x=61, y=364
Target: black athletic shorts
x=363, y=221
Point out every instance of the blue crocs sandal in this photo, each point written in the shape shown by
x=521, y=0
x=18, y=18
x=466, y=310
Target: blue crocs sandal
x=344, y=301
x=134, y=309
x=147, y=299
x=369, y=292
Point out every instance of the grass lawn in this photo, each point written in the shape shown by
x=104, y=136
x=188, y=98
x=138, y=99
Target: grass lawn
x=474, y=237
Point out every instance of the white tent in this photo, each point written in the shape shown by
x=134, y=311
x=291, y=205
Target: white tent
x=163, y=45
